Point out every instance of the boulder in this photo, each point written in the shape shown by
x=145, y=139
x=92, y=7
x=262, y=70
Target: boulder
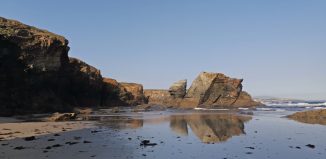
x=178, y=89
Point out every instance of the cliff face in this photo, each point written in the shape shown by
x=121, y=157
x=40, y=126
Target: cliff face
x=207, y=90
x=122, y=94
x=36, y=74
x=31, y=60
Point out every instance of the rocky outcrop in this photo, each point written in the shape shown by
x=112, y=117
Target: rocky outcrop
x=207, y=90
x=310, y=117
x=137, y=93
x=36, y=74
x=178, y=89
x=159, y=97
x=85, y=83
x=122, y=94
x=32, y=62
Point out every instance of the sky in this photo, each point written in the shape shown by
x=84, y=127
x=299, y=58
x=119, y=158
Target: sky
x=278, y=47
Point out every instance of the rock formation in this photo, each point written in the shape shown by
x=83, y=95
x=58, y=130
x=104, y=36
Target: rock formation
x=30, y=70
x=207, y=90
x=178, y=89
x=122, y=94
x=136, y=91
x=36, y=74
x=310, y=117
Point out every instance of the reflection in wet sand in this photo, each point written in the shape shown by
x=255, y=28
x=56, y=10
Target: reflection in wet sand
x=179, y=125
x=120, y=122
x=310, y=117
x=210, y=128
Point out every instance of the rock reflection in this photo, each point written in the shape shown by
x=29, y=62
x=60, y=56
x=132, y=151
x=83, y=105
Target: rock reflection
x=209, y=128
x=310, y=117
x=120, y=122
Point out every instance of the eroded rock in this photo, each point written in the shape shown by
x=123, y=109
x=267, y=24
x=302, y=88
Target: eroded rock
x=178, y=89
x=207, y=90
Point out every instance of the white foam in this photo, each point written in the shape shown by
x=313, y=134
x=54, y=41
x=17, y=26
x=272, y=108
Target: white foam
x=209, y=109
x=303, y=104
x=264, y=109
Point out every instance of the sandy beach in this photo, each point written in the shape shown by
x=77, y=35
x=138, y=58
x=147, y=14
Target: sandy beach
x=166, y=134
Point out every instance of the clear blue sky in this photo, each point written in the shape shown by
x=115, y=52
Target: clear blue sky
x=277, y=46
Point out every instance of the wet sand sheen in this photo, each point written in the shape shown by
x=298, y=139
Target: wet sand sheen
x=178, y=135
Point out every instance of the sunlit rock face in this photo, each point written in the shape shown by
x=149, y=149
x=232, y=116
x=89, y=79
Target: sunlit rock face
x=122, y=94
x=209, y=128
x=310, y=117
x=207, y=90
x=178, y=89
x=137, y=93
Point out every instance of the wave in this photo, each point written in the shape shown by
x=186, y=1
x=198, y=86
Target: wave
x=209, y=109
x=301, y=104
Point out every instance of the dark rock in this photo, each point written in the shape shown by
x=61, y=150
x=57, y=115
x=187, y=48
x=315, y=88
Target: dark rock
x=20, y=148
x=37, y=76
x=31, y=138
x=147, y=143
x=311, y=146
x=48, y=147
x=71, y=143
x=87, y=142
x=56, y=145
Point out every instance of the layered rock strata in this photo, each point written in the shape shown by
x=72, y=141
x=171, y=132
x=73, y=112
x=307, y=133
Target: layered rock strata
x=207, y=90
x=36, y=74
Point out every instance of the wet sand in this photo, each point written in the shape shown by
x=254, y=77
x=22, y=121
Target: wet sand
x=175, y=135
